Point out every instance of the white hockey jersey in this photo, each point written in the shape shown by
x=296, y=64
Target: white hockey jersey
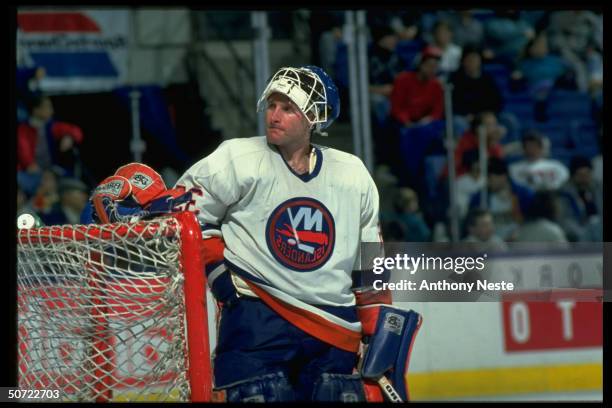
x=297, y=236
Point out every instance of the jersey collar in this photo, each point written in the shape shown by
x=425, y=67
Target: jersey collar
x=306, y=177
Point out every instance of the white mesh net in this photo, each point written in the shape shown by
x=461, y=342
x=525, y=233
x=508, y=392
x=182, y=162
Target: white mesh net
x=101, y=312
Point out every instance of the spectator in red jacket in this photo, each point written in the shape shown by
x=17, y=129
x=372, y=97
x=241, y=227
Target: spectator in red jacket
x=469, y=140
x=43, y=143
x=41, y=138
x=417, y=97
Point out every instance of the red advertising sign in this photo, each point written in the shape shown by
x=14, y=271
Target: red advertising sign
x=564, y=320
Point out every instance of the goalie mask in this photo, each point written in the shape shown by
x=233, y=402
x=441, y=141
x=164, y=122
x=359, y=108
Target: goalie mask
x=311, y=89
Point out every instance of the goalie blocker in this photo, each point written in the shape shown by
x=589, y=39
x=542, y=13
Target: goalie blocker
x=388, y=350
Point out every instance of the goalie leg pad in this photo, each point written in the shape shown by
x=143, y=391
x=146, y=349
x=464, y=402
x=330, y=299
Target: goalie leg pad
x=389, y=348
x=339, y=387
x=274, y=387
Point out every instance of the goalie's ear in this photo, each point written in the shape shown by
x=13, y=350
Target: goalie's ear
x=146, y=183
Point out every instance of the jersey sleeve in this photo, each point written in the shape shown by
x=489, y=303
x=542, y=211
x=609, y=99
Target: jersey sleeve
x=215, y=185
x=370, y=231
x=370, y=239
x=368, y=299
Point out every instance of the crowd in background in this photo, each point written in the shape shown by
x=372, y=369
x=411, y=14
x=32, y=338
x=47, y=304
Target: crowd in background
x=530, y=82
x=49, y=177
x=515, y=76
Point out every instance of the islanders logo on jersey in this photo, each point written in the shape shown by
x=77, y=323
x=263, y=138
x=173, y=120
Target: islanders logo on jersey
x=301, y=234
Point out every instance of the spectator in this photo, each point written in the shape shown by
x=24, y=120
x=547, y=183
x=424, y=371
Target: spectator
x=451, y=53
x=73, y=199
x=326, y=34
x=541, y=70
x=470, y=182
x=384, y=65
x=42, y=142
x=417, y=97
x=581, y=203
x=28, y=81
x=540, y=220
x=507, y=201
x=46, y=195
x=535, y=171
x=408, y=214
x=481, y=231
x=467, y=30
x=597, y=161
x=28, y=84
x=470, y=141
x=473, y=90
x=505, y=37
x=576, y=36
x=407, y=25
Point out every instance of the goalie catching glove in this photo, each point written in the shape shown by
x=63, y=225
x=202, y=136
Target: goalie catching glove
x=136, y=192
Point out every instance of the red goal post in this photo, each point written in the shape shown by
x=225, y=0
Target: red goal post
x=114, y=312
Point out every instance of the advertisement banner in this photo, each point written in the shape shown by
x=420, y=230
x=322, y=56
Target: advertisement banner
x=81, y=50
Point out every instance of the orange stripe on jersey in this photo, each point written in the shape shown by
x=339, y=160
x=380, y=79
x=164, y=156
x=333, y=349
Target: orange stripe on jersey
x=311, y=323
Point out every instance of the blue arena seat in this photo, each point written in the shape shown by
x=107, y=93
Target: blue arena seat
x=583, y=133
x=520, y=104
x=500, y=73
x=567, y=104
x=408, y=51
x=557, y=131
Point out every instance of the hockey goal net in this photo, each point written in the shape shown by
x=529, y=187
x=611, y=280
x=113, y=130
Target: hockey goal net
x=114, y=312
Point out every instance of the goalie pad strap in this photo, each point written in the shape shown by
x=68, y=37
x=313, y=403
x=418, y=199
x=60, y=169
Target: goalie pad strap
x=370, y=297
x=368, y=307
x=372, y=391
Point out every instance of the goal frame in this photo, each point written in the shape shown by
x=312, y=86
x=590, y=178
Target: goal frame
x=197, y=356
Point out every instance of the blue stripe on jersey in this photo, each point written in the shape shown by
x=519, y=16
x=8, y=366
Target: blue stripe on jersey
x=208, y=227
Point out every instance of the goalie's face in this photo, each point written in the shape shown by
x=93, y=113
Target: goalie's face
x=286, y=125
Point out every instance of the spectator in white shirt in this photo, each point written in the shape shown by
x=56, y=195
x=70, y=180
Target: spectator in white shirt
x=451, y=53
x=481, y=231
x=541, y=220
x=535, y=170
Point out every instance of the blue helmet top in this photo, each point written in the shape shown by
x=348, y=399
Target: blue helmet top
x=311, y=89
x=331, y=92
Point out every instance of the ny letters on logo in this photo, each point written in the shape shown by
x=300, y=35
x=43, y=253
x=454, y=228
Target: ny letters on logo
x=310, y=219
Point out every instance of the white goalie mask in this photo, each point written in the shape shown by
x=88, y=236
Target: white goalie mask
x=309, y=87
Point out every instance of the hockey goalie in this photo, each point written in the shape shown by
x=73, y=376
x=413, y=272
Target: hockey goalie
x=284, y=222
